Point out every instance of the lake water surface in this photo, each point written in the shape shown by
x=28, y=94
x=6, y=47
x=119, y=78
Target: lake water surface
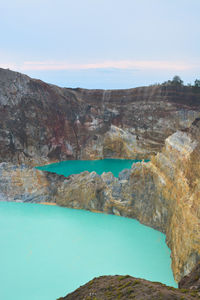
x=48, y=251
x=69, y=167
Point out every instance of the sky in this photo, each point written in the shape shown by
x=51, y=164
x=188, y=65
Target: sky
x=107, y=44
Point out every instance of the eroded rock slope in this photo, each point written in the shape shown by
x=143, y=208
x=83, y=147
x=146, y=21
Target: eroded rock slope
x=42, y=123
x=163, y=193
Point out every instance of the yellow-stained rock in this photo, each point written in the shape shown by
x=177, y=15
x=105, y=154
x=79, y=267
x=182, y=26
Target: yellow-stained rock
x=163, y=193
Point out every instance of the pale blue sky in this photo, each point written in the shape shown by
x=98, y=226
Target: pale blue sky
x=101, y=43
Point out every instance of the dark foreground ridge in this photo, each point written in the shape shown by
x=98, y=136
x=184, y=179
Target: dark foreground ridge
x=127, y=287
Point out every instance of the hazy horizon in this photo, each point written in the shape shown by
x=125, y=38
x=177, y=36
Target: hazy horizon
x=101, y=44
x=72, y=82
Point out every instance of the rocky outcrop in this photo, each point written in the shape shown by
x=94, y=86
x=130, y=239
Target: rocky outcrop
x=176, y=176
x=23, y=184
x=133, y=194
x=42, y=123
x=192, y=280
x=163, y=194
x=127, y=287
x=85, y=191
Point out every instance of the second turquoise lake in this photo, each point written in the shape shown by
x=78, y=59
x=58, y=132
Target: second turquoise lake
x=70, y=167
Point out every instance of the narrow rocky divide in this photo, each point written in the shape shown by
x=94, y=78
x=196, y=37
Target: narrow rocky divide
x=160, y=123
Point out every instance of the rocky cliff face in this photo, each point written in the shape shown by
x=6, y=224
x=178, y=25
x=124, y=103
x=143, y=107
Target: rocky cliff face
x=163, y=193
x=176, y=176
x=44, y=123
x=22, y=183
x=192, y=280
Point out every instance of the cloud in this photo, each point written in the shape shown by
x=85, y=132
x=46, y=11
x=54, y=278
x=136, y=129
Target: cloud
x=120, y=64
x=8, y=66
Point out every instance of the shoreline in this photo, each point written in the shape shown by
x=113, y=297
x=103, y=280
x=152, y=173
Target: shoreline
x=47, y=203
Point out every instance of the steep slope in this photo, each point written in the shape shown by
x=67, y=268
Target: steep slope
x=163, y=193
x=44, y=123
x=192, y=280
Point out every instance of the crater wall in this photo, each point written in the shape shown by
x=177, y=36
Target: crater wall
x=41, y=123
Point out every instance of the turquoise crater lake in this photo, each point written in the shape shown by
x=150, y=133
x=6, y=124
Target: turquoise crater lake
x=69, y=167
x=48, y=251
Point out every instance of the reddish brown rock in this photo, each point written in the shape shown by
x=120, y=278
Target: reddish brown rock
x=42, y=123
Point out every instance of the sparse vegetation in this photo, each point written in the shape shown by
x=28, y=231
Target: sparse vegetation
x=197, y=83
x=127, y=287
x=176, y=81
